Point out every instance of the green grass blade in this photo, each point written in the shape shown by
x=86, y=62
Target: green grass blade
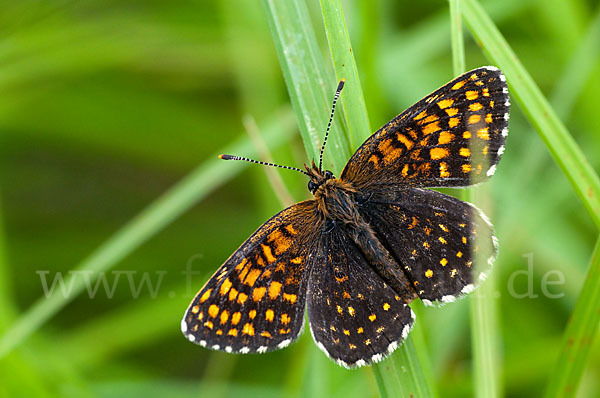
x=540, y=114
x=581, y=330
x=456, y=39
x=289, y=21
x=353, y=102
x=150, y=221
x=483, y=307
x=402, y=372
x=310, y=84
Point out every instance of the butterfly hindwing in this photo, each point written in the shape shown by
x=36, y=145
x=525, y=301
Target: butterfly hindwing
x=255, y=302
x=355, y=317
x=454, y=137
x=434, y=238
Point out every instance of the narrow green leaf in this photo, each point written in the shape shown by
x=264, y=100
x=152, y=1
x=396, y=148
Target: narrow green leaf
x=290, y=26
x=310, y=84
x=483, y=307
x=353, y=102
x=196, y=185
x=578, y=339
x=456, y=38
x=540, y=114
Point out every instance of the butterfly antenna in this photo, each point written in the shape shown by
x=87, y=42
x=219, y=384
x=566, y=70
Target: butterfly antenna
x=335, y=98
x=233, y=157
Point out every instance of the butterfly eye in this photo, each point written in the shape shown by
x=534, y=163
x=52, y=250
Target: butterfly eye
x=312, y=187
x=329, y=175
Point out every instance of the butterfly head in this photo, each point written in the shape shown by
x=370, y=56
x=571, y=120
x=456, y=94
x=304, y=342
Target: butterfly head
x=318, y=177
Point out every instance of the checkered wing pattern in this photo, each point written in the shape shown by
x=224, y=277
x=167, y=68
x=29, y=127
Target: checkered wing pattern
x=355, y=317
x=255, y=302
x=454, y=137
x=434, y=239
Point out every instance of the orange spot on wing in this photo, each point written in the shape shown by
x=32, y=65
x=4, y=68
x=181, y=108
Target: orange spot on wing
x=475, y=106
x=466, y=152
x=472, y=95
x=405, y=170
x=453, y=122
x=252, y=276
x=213, y=311
x=241, y=298
x=458, y=85
x=444, y=173
x=451, y=111
x=205, y=296
x=405, y=140
x=374, y=159
x=232, y=294
x=269, y=315
x=258, y=293
x=429, y=119
x=285, y=319
x=235, y=318
x=290, y=297
x=445, y=103
x=281, y=242
x=431, y=128
x=474, y=119
x=248, y=329
x=438, y=153
x=290, y=229
x=445, y=137
x=224, y=316
x=420, y=115
x=274, y=290
x=225, y=287
x=268, y=253
x=483, y=133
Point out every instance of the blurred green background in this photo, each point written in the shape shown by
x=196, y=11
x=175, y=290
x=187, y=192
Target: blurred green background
x=105, y=105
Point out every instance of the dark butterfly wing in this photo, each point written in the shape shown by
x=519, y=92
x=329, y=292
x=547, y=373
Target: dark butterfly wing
x=255, y=301
x=354, y=316
x=434, y=238
x=454, y=137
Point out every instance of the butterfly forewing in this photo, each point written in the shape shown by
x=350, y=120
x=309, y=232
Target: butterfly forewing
x=255, y=302
x=434, y=238
x=454, y=137
x=355, y=317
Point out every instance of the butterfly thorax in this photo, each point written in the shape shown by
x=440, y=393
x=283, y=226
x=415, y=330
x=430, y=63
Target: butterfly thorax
x=335, y=198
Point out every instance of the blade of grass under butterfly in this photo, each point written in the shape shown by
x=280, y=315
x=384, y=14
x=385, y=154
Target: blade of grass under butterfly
x=562, y=146
x=193, y=187
x=353, y=102
x=293, y=35
x=483, y=308
x=405, y=370
x=310, y=85
x=578, y=339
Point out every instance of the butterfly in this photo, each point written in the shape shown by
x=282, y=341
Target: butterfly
x=370, y=241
